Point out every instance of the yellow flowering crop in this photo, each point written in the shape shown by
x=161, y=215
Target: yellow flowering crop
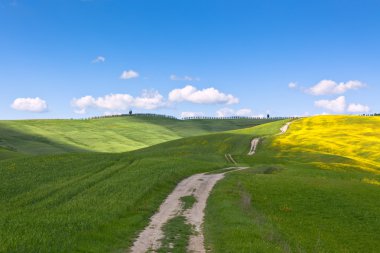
x=353, y=137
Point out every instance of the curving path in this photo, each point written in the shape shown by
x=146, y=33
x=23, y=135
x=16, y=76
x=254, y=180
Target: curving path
x=256, y=141
x=198, y=185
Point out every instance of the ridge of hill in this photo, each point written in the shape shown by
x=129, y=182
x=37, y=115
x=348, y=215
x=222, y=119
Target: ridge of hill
x=299, y=194
x=115, y=134
x=98, y=202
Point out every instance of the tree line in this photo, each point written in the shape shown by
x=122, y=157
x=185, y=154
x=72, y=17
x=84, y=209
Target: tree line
x=153, y=115
x=146, y=115
x=369, y=115
x=236, y=117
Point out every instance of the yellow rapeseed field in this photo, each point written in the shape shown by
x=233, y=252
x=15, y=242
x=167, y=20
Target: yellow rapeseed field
x=356, y=138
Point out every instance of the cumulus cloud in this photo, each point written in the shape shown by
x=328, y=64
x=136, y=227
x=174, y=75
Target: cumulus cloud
x=337, y=105
x=329, y=87
x=114, y=102
x=99, y=59
x=81, y=104
x=191, y=114
x=225, y=112
x=30, y=104
x=244, y=112
x=184, y=78
x=111, y=102
x=206, y=96
x=292, y=85
x=358, y=108
x=129, y=74
x=148, y=100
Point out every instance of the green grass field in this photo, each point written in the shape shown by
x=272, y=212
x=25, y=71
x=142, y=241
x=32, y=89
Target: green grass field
x=117, y=134
x=298, y=196
x=314, y=189
x=97, y=202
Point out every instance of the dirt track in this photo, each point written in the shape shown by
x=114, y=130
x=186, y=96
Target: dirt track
x=200, y=186
x=256, y=141
x=254, y=144
x=230, y=159
x=285, y=128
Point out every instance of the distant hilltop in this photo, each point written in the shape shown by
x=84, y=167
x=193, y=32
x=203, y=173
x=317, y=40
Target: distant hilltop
x=153, y=115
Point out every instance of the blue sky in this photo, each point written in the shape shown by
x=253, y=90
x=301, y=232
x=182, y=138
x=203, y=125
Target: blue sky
x=79, y=58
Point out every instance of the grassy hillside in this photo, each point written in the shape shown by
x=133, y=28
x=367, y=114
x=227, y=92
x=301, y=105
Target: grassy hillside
x=94, y=202
x=298, y=196
x=117, y=134
x=314, y=189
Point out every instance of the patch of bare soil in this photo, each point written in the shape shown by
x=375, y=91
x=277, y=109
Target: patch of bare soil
x=285, y=128
x=254, y=144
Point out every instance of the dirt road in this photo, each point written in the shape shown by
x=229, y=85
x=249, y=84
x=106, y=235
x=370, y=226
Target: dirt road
x=285, y=128
x=254, y=144
x=200, y=186
x=256, y=141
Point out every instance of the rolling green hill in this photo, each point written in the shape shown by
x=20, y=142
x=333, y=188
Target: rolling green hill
x=299, y=194
x=117, y=134
x=98, y=202
x=314, y=189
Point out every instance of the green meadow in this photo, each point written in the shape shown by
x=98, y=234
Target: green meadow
x=92, y=185
x=93, y=201
x=301, y=195
x=115, y=134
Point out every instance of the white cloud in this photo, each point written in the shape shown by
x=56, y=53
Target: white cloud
x=99, y=59
x=119, y=102
x=337, y=105
x=225, y=112
x=108, y=113
x=184, y=78
x=82, y=104
x=191, y=114
x=81, y=111
x=30, y=104
x=358, y=108
x=129, y=74
x=150, y=99
x=292, y=85
x=206, y=96
x=244, y=112
x=114, y=102
x=329, y=87
x=111, y=102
